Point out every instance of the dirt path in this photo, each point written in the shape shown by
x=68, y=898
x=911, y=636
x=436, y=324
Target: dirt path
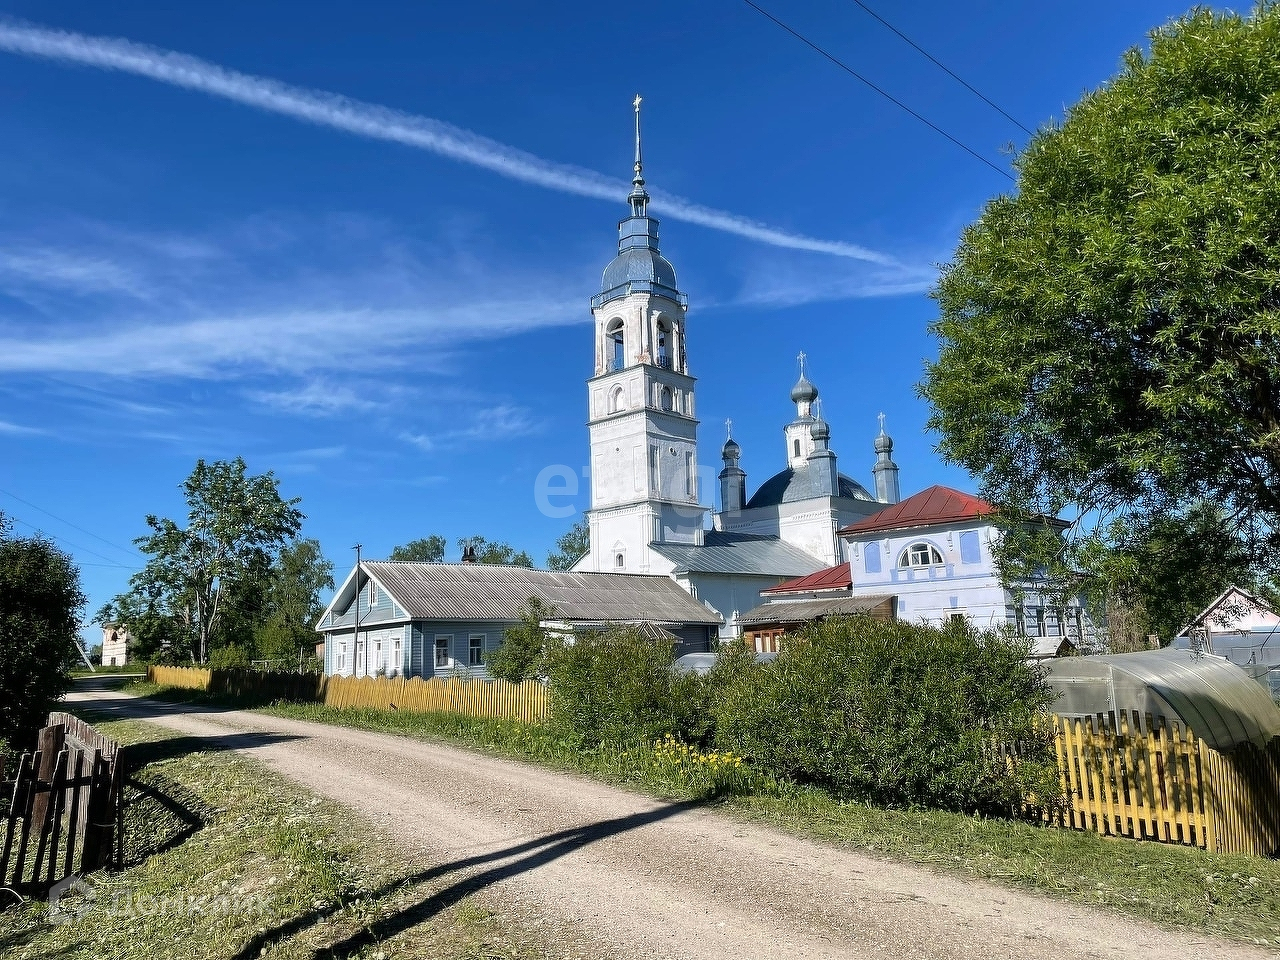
x=647, y=879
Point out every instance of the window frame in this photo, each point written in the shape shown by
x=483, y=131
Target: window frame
x=474, y=660
x=442, y=641
x=932, y=556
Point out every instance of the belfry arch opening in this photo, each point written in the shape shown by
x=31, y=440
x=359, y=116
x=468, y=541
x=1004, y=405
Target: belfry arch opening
x=664, y=343
x=616, y=343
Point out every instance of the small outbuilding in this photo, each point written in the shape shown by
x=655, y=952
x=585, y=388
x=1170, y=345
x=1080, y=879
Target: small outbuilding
x=1213, y=697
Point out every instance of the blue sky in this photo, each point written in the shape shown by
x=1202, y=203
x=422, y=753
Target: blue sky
x=403, y=336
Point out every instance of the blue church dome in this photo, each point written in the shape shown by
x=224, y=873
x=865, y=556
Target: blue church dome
x=638, y=264
x=791, y=485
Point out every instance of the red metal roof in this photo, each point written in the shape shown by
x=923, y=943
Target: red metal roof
x=832, y=578
x=937, y=504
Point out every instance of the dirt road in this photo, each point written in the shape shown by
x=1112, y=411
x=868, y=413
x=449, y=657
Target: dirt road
x=646, y=879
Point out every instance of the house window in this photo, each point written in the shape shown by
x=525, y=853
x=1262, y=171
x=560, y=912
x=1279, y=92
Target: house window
x=373, y=593
x=442, y=649
x=475, y=650
x=1040, y=628
x=919, y=555
x=1020, y=621
x=396, y=658
x=871, y=557
x=342, y=657
x=378, y=665
x=970, y=551
x=955, y=616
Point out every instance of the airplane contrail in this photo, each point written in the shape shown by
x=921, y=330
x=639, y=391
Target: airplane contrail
x=385, y=123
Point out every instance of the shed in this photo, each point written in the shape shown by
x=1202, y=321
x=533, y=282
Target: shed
x=1217, y=700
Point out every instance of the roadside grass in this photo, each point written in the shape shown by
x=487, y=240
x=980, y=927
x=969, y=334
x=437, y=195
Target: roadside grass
x=225, y=859
x=1234, y=896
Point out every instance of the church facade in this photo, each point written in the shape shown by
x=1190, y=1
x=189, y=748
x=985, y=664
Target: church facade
x=646, y=513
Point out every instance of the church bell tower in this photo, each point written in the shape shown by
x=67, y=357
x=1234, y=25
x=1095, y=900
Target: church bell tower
x=641, y=413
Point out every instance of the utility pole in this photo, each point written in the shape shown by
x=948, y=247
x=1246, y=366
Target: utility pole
x=355, y=636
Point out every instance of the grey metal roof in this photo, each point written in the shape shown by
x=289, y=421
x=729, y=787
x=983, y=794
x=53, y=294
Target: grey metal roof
x=802, y=611
x=1215, y=698
x=477, y=591
x=740, y=553
x=791, y=485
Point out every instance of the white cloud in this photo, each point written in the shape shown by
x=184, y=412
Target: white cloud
x=384, y=123
x=64, y=269
x=500, y=422
x=14, y=429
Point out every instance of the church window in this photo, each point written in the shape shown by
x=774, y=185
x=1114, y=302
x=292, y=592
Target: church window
x=655, y=474
x=615, y=400
x=690, y=481
x=871, y=557
x=617, y=345
x=665, y=399
x=664, y=349
x=619, y=560
x=919, y=555
x=795, y=446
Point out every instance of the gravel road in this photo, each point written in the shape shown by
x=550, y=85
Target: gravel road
x=646, y=879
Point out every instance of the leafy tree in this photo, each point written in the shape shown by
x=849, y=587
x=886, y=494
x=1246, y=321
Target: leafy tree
x=496, y=552
x=520, y=655
x=424, y=550
x=571, y=547
x=293, y=600
x=40, y=603
x=1110, y=334
x=209, y=576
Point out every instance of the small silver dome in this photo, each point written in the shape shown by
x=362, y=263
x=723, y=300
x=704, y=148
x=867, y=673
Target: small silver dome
x=884, y=443
x=820, y=430
x=804, y=391
x=730, y=450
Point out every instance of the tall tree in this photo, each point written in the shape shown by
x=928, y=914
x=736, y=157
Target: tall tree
x=1110, y=334
x=40, y=603
x=212, y=573
x=496, y=552
x=293, y=600
x=571, y=547
x=424, y=550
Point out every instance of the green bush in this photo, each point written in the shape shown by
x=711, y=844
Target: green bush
x=618, y=687
x=521, y=652
x=891, y=713
x=230, y=657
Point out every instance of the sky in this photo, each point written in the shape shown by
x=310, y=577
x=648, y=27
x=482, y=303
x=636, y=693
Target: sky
x=355, y=244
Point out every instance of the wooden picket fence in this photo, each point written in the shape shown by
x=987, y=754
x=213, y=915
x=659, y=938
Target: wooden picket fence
x=499, y=699
x=526, y=701
x=1126, y=775
x=66, y=811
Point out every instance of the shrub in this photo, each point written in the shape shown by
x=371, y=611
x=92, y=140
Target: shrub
x=520, y=654
x=618, y=687
x=891, y=713
x=231, y=657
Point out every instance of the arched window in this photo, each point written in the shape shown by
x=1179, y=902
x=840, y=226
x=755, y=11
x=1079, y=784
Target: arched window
x=617, y=346
x=795, y=446
x=665, y=399
x=664, y=344
x=919, y=555
x=615, y=400
x=871, y=557
x=619, y=560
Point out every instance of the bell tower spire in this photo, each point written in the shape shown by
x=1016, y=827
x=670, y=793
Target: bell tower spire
x=638, y=198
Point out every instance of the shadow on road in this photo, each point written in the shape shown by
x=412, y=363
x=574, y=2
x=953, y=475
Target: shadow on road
x=531, y=855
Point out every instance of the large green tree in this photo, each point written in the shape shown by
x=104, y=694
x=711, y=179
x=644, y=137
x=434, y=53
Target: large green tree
x=299, y=576
x=210, y=577
x=1110, y=333
x=496, y=551
x=571, y=547
x=40, y=602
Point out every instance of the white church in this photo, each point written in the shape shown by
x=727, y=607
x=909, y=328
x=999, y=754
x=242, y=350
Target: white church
x=646, y=515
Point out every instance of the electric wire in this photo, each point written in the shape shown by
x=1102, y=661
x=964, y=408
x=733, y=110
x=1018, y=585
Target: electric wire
x=945, y=69
x=73, y=526
x=884, y=93
x=72, y=544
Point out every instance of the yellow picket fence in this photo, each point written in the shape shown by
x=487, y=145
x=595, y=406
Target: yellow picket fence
x=189, y=678
x=526, y=701
x=1127, y=775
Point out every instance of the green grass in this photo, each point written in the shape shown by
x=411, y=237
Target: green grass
x=279, y=873
x=1235, y=896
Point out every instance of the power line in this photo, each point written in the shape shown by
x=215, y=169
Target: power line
x=884, y=93
x=72, y=525
x=72, y=544
x=945, y=69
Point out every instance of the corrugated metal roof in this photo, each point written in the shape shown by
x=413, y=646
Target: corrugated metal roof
x=802, y=611
x=477, y=591
x=937, y=504
x=740, y=553
x=832, y=578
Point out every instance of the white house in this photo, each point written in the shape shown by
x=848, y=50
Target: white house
x=115, y=645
